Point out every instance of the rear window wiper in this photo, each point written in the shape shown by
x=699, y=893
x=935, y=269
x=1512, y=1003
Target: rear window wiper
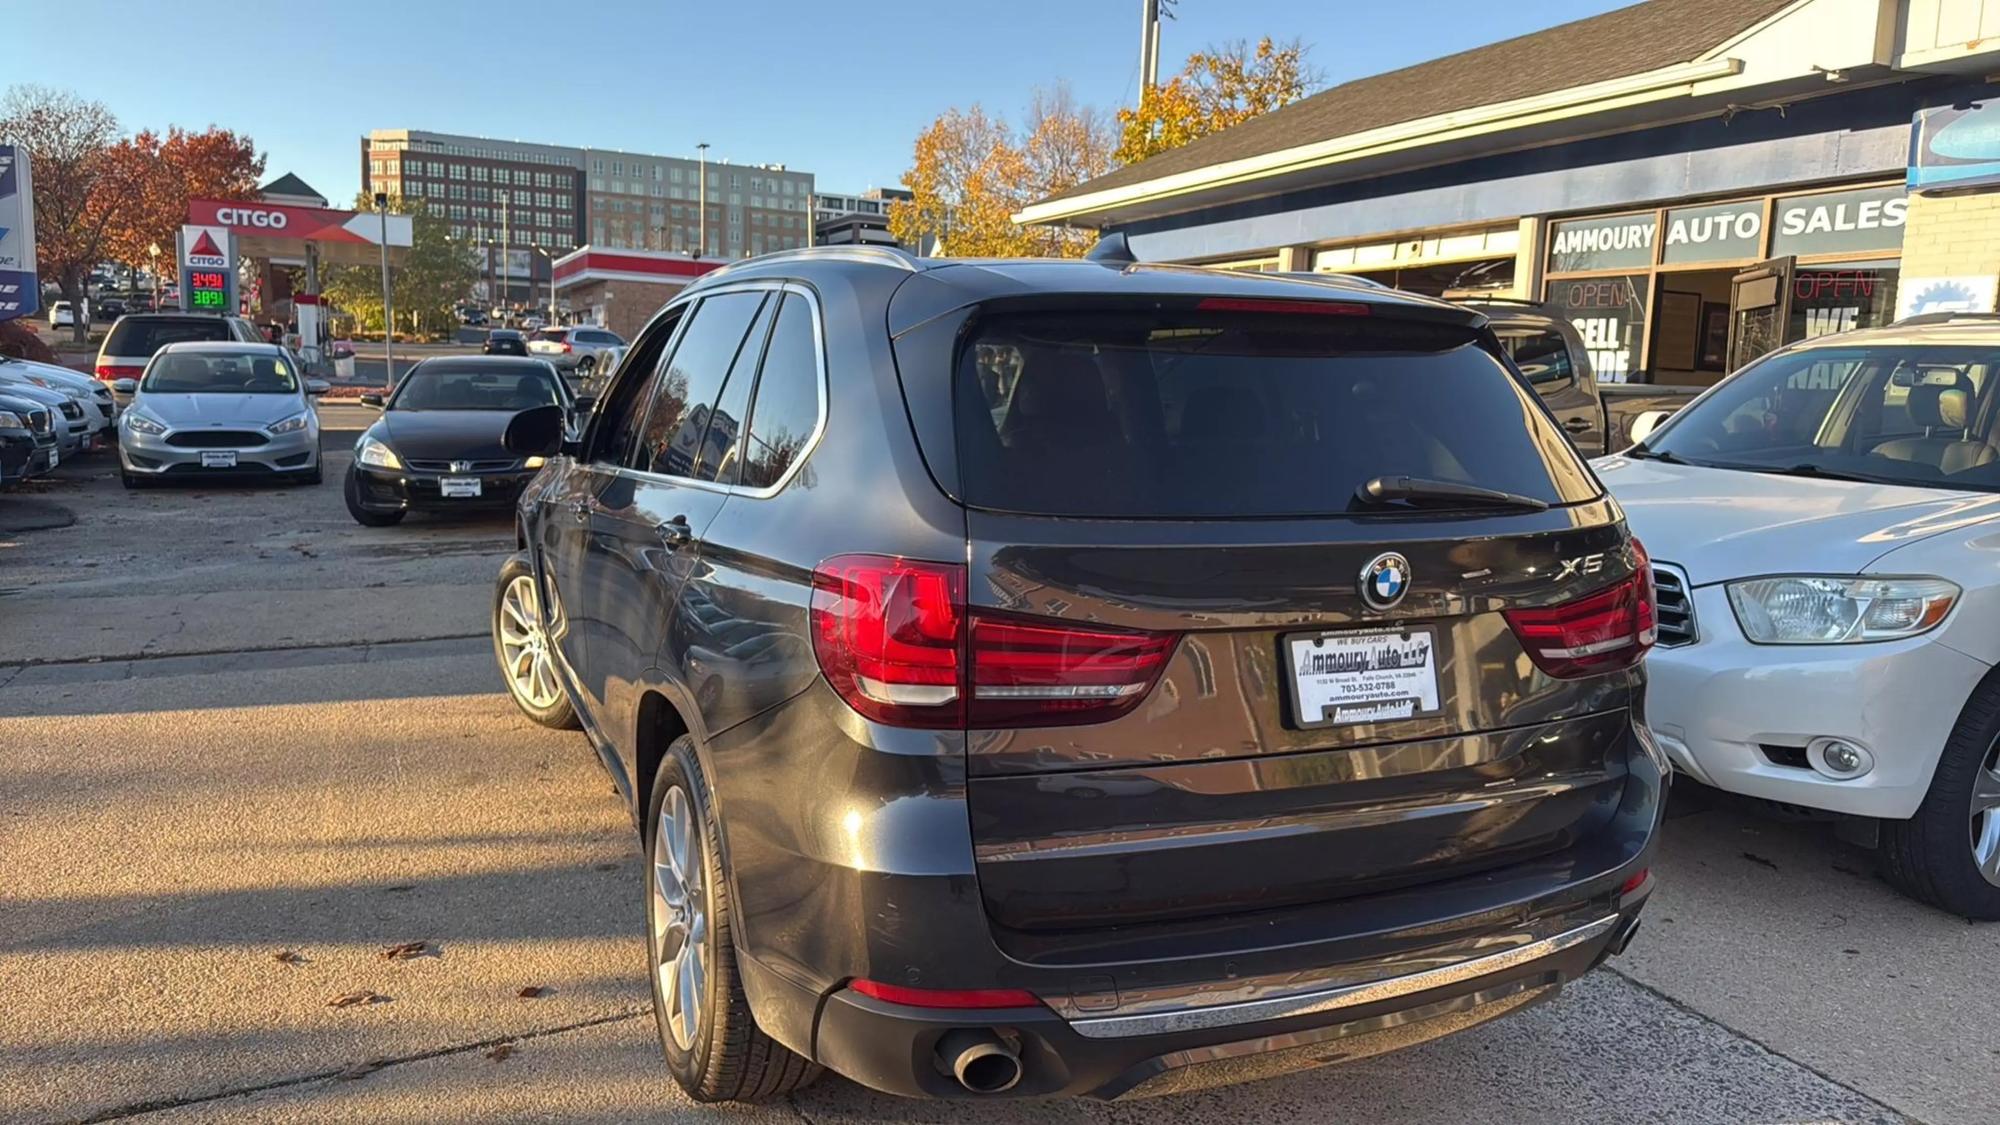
x=1377, y=491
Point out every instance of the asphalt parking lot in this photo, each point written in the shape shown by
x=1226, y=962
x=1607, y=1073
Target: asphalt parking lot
x=234, y=725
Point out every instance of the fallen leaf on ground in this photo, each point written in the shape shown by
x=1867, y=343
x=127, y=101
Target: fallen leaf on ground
x=288, y=957
x=406, y=950
x=500, y=1052
x=532, y=991
x=358, y=996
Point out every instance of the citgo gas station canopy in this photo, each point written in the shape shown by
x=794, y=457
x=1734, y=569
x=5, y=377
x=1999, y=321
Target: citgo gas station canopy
x=280, y=230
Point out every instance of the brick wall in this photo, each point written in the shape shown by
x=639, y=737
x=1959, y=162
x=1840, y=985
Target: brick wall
x=628, y=305
x=1952, y=235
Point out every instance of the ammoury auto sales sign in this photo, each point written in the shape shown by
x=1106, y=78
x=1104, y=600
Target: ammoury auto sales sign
x=20, y=291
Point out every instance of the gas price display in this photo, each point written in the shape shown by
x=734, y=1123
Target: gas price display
x=207, y=289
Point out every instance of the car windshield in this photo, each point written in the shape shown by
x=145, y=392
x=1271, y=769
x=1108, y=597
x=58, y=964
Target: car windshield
x=220, y=373
x=1896, y=413
x=468, y=387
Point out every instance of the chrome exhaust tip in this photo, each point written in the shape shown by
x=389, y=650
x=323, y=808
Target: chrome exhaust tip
x=982, y=1061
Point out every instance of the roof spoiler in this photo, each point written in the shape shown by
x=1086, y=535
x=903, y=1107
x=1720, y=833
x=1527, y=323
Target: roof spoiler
x=1112, y=248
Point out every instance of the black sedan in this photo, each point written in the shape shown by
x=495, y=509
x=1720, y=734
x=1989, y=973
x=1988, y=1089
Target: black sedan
x=505, y=341
x=437, y=445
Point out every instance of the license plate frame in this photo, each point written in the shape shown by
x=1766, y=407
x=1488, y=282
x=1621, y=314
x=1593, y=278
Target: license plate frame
x=218, y=458
x=1379, y=689
x=459, y=488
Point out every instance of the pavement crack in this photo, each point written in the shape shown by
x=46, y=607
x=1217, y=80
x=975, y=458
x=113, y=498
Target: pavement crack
x=155, y=1105
x=1822, y=1075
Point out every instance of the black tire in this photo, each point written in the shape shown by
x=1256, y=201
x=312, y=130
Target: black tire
x=586, y=367
x=316, y=476
x=1929, y=856
x=556, y=716
x=133, y=480
x=729, y=1059
x=362, y=516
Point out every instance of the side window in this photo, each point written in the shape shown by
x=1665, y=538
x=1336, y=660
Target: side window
x=787, y=407
x=1542, y=355
x=718, y=458
x=691, y=380
x=623, y=407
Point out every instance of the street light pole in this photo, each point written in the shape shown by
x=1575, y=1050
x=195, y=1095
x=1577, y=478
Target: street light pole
x=701, y=207
x=544, y=252
x=506, y=245
x=388, y=309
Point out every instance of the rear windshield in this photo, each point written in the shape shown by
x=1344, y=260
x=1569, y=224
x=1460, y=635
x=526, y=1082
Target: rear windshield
x=1184, y=414
x=144, y=337
x=558, y=335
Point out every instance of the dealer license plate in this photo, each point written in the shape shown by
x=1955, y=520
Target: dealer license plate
x=218, y=458
x=1366, y=676
x=458, y=486
x=55, y=458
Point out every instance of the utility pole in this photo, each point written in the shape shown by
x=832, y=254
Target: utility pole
x=388, y=308
x=812, y=215
x=1150, y=12
x=701, y=206
x=543, y=251
x=506, y=244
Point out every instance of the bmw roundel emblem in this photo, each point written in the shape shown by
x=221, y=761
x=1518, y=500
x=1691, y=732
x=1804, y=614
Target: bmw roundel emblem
x=1385, y=580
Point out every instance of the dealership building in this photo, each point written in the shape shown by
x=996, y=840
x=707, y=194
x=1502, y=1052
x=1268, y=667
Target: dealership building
x=1692, y=182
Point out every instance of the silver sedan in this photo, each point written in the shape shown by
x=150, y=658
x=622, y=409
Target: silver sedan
x=219, y=409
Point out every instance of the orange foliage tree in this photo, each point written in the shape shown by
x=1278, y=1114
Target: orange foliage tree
x=1219, y=87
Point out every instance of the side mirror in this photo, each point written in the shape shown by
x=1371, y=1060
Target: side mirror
x=538, y=432
x=318, y=386
x=372, y=399
x=125, y=386
x=1648, y=421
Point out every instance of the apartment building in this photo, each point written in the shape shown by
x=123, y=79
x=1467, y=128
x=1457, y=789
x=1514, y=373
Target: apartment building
x=646, y=202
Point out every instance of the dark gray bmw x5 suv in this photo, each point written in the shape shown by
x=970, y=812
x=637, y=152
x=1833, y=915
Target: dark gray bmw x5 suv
x=1041, y=677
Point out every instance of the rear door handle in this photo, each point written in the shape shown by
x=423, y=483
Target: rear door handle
x=676, y=533
x=1577, y=425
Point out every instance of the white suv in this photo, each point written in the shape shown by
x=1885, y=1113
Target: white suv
x=1825, y=525
x=580, y=350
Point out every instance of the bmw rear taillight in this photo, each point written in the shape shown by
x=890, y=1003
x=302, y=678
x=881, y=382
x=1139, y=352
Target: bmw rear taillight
x=898, y=644
x=1599, y=632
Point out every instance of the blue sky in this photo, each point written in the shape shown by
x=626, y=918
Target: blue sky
x=789, y=82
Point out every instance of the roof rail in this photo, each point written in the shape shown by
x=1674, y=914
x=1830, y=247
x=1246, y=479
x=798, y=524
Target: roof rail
x=1328, y=277
x=844, y=252
x=1943, y=318
x=1112, y=248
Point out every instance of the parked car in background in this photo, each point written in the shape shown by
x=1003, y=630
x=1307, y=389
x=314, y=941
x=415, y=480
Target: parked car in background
x=218, y=410
x=578, y=349
x=28, y=443
x=107, y=308
x=437, y=444
x=71, y=419
x=1343, y=641
x=95, y=407
x=62, y=314
x=505, y=341
x=132, y=341
x=532, y=322
x=1598, y=417
x=1822, y=522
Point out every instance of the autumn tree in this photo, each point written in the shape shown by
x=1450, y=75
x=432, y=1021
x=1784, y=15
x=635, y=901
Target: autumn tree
x=1219, y=87
x=165, y=172
x=971, y=173
x=79, y=175
x=426, y=281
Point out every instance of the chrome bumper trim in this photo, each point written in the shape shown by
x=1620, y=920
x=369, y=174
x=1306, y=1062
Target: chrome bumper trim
x=1347, y=996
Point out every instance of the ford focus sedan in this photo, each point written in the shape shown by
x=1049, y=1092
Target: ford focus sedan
x=1042, y=678
x=219, y=410
x=437, y=444
x=1824, y=523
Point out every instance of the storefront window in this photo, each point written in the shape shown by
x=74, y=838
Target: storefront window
x=1836, y=298
x=1610, y=313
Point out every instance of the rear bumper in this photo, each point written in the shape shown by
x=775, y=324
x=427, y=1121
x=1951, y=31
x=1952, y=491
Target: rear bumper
x=402, y=490
x=883, y=885
x=895, y=1048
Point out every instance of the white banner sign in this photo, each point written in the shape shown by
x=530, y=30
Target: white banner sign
x=20, y=290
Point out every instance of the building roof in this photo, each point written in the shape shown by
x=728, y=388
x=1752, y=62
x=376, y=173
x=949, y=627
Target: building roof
x=289, y=184
x=1617, y=44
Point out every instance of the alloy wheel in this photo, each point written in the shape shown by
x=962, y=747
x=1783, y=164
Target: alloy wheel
x=524, y=645
x=1985, y=825
x=679, y=917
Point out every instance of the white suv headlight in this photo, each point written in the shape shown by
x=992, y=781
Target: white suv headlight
x=290, y=425
x=1804, y=609
x=140, y=424
x=377, y=455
